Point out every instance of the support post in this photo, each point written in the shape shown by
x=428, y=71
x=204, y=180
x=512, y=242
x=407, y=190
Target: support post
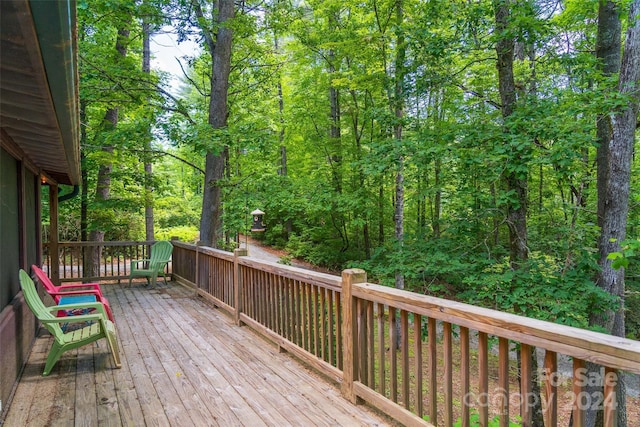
x=350, y=332
x=237, y=284
x=54, y=257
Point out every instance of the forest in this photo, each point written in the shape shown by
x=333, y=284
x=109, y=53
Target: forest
x=478, y=150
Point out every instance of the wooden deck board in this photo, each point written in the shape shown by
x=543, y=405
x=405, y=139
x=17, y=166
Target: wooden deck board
x=183, y=363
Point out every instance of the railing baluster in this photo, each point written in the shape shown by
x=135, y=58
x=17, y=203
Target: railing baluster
x=417, y=350
x=610, y=401
x=339, y=321
x=503, y=379
x=432, y=342
x=361, y=324
x=464, y=375
x=551, y=388
x=381, y=353
x=323, y=322
x=526, y=378
x=393, y=354
x=483, y=380
x=404, y=331
x=298, y=312
x=314, y=314
x=64, y=261
x=371, y=353
x=331, y=327
x=578, y=412
x=448, y=374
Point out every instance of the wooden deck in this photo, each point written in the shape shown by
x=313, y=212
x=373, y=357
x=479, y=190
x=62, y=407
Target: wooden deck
x=184, y=364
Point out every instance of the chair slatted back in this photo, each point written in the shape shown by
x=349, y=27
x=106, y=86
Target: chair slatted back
x=160, y=255
x=37, y=306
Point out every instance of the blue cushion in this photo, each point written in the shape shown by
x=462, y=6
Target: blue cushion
x=77, y=299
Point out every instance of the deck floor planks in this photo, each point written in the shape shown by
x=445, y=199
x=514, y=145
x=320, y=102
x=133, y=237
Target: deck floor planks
x=247, y=412
x=212, y=382
x=180, y=372
x=26, y=390
x=184, y=363
x=258, y=379
x=86, y=413
x=267, y=355
x=106, y=398
x=217, y=357
x=320, y=409
x=145, y=392
x=128, y=402
x=166, y=404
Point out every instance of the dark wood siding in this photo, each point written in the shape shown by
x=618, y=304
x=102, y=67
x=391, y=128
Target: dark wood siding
x=9, y=229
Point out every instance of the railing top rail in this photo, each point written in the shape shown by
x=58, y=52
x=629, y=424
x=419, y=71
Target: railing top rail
x=593, y=346
x=287, y=271
x=294, y=273
x=85, y=244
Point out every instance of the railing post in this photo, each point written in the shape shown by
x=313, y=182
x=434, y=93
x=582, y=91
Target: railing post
x=197, y=272
x=349, y=331
x=237, y=283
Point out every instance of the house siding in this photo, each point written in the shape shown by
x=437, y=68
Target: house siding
x=19, y=244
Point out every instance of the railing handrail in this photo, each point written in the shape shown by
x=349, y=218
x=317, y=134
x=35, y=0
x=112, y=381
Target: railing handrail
x=568, y=340
x=107, y=243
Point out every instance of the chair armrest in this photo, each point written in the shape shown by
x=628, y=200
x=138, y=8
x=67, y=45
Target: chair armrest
x=97, y=305
x=73, y=319
x=69, y=293
x=135, y=262
x=94, y=286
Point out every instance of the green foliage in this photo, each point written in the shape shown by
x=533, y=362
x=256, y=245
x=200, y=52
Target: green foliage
x=334, y=206
x=187, y=234
x=474, y=419
x=541, y=289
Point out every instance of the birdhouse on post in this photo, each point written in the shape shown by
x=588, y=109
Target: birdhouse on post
x=257, y=226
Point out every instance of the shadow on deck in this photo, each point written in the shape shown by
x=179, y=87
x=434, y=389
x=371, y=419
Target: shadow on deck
x=184, y=363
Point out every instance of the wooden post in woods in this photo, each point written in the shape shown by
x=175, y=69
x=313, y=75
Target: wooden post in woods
x=349, y=332
x=237, y=284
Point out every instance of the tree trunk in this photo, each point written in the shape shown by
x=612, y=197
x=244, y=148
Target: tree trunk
x=437, y=204
x=608, y=53
x=615, y=196
x=515, y=182
x=381, y=212
x=398, y=106
x=103, y=190
x=219, y=45
x=148, y=169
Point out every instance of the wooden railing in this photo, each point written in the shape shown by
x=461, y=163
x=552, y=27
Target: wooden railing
x=92, y=261
x=415, y=357
x=422, y=360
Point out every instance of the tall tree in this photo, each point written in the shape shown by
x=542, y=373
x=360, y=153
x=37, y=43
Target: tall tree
x=515, y=177
x=148, y=166
x=613, y=197
x=398, y=105
x=218, y=36
x=103, y=183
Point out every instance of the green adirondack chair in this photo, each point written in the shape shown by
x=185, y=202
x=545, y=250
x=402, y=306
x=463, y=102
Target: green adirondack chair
x=152, y=267
x=100, y=327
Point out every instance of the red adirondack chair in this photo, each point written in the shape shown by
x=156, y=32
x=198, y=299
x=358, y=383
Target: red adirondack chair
x=66, y=294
